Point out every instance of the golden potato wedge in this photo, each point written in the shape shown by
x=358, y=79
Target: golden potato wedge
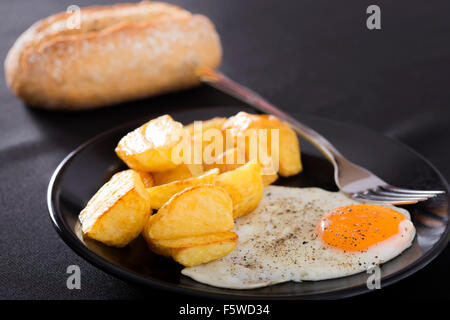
x=221, y=164
x=159, y=195
x=196, y=250
x=196, y=255
x=289, y=150
x=195, y=211
x=269, y=178
x=181, y=172
x=149, y=147
x=210, y=136
x=290, y=162
x=163, y=251
x=188, y=242
x=214, y=123
x=147, y=178
x=153, y=245
x=229, y=160
x=245, y=186
x=118, y=212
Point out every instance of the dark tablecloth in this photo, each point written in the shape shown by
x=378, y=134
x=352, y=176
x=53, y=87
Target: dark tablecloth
x=308, y=57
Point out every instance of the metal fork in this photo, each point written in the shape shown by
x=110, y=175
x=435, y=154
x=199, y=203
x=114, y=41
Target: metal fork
x=351, y=179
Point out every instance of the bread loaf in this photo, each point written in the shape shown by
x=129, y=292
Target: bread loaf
x=119, y=53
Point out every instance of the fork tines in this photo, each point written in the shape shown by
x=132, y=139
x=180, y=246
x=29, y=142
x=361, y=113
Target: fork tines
x=394, y=195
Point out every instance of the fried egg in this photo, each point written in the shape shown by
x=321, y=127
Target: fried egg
x=298, y=234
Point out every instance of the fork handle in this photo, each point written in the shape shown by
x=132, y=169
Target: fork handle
x=225, y=84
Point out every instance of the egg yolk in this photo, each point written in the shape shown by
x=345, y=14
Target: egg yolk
x=357, y=227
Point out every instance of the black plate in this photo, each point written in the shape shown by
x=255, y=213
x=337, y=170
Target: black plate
x=84, y=170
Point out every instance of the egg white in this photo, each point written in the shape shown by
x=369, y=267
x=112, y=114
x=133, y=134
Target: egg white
x=278, y=243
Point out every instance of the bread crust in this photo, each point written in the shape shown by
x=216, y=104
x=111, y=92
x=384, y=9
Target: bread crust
x=121, y=52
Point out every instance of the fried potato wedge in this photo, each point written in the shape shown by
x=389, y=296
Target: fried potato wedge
x=196, y=255
x=188, y=242
x=192, y=251
x=214, y=123
x=269, y=178
x=181, y=172
x=158, y=249
x=147, y=178
x=209, y=134
x=152, y=244
x=149, y=147
x=288, y=148
x=118, y=212
x=229, y=160
x=195, y=211
x=159, y=195
x=232, y=159
x=245, y=186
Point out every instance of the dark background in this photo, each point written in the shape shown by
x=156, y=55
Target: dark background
x=308, y=57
